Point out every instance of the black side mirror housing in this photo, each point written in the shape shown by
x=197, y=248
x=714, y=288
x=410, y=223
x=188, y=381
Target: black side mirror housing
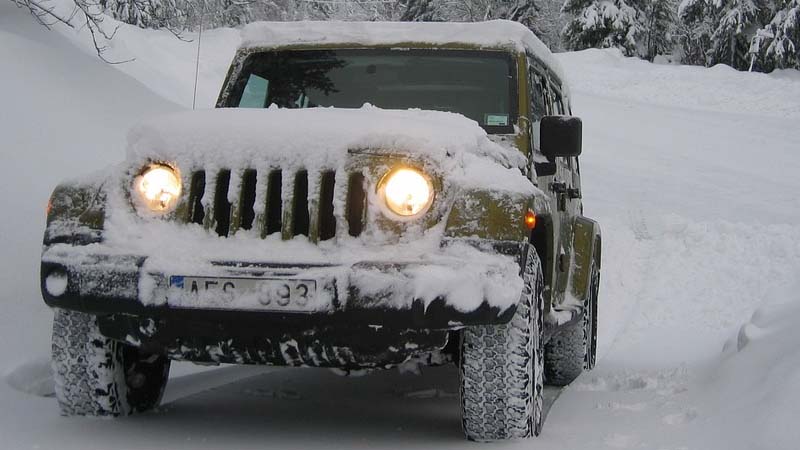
x=560, y=136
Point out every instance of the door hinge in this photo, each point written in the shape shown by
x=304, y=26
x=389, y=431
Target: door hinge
x=558, y=187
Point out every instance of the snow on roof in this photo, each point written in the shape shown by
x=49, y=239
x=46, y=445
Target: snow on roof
x=491, y=34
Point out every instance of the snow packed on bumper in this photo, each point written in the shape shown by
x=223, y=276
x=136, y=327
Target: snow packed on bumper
x=394, y=277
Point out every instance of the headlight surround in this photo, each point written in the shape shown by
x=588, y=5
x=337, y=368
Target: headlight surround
x=406, y=192
x=158, y=187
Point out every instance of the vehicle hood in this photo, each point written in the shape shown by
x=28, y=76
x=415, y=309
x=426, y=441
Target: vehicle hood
x=322, y=138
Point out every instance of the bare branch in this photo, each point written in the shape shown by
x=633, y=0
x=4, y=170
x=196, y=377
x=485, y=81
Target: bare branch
x=47, y=16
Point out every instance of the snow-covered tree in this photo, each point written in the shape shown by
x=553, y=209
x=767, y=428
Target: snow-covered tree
x=148, y=13
x=550, y=22
x=777, y=45
x=659, y=26
x=604, y=24
x=523, y=11
x=419, y=10
x=724, y=28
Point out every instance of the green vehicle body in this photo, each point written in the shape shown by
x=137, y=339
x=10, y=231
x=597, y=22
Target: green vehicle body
x=567, y=242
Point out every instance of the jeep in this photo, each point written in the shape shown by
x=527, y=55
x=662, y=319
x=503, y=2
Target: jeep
x=365, y=195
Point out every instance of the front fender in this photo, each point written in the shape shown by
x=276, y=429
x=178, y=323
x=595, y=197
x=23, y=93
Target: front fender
x=76, y=213
x=492, y=215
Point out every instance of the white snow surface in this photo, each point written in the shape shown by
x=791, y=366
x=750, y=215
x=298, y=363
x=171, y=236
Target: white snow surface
x=694, y=187
x=491, y=34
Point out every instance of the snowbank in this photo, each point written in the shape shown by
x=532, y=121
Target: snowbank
x=606, y=73
x=63, y=113
x=755, y=389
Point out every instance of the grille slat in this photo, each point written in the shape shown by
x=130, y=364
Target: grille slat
x=300, y=215
x=287, y=187
x=208, y=200
x=327, y=218
x=274, y=203
x=313, y=205
x=234, y=196
x=222, y=206
x=196, y=191
x=356, y=204
x=247, y=200
x=318, y=204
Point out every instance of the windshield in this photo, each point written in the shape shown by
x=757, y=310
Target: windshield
x=477, y=84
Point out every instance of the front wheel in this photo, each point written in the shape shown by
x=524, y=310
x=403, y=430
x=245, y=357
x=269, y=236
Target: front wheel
x=502, y=368
x=97, y=376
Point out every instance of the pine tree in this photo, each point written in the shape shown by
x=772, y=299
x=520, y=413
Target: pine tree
x=659, y=28
x=727, y=27
x=695, y=29
x=604, y=24
x=777, y=45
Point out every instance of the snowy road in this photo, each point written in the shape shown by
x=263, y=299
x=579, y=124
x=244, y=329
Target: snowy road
x=692, y=176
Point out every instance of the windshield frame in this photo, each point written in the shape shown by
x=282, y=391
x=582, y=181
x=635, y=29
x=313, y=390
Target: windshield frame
x=236, y=82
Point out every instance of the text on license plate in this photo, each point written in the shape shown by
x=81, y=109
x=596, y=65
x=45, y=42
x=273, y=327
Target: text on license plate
x=269, y=292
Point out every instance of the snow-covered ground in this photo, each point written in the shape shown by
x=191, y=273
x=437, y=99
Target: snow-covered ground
x=692, y=173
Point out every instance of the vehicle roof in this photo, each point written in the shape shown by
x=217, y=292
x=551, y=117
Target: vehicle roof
x=495, y=34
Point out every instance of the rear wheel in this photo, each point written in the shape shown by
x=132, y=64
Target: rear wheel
x=502, y=368
x=97, y=376
x=573, y=349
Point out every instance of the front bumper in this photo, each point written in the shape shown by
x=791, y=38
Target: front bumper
x=372, y=294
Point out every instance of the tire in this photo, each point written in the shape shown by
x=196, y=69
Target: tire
x=574, y=348
x=97, y=376
x=502, y=368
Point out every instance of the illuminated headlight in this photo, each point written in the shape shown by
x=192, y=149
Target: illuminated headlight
x=406, y=192
x=159, y=187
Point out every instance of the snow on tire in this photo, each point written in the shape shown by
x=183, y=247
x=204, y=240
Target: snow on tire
x=97, y=376
x=572, y=350
x=502, y=368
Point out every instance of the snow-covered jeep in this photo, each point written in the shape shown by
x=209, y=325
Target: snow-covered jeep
x=365, y=195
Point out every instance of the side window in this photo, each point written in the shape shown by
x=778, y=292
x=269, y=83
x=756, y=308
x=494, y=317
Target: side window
x=544, y=96
x=537, y=97
x=549, y=99
x=558, y=107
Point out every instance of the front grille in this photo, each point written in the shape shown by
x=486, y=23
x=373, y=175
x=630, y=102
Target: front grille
x=266, y=202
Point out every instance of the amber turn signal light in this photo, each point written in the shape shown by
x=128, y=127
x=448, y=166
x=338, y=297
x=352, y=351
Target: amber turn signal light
x=530, y=220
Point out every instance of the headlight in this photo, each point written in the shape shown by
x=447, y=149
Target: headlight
x=407, y=192
x=159, y=187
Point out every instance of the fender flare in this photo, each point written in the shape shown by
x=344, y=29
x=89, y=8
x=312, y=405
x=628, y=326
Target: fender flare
x=587, y=247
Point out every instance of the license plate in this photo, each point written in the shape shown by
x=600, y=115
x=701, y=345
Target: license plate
x=246, y=293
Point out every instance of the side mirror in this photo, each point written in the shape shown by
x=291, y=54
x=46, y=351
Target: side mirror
x=560, y=136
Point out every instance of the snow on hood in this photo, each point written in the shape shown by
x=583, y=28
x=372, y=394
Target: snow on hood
x=320, y=138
